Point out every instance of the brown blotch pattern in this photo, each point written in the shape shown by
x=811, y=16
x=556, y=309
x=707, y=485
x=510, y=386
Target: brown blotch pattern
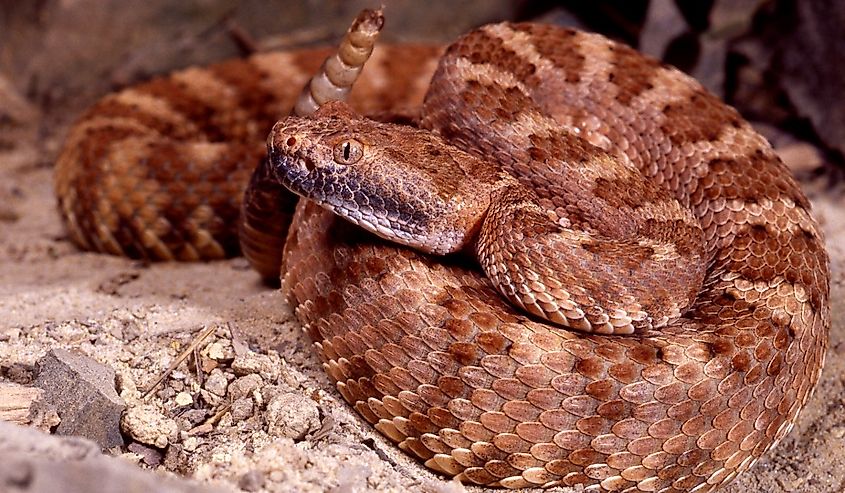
x=699, y=117
x=181, y=99
x=253, y=98
x=482, y=47
x=750, y=177
x=762, y=254
x=631, y=73
x=427, y=351
x=560, y=46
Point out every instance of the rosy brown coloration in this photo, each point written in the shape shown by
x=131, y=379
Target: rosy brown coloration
x=266, y=206
x=437, y=362
x=158, y=170
x=585, y=268
x=431, y=355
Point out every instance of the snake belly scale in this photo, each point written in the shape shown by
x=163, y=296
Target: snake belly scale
x=424, y=347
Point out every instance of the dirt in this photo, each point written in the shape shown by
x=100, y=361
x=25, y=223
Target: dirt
x=293, y=432
x=251, y=408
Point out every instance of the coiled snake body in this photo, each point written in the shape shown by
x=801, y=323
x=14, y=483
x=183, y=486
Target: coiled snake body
x=726, y=290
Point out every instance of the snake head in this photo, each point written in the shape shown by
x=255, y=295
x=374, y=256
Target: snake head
x=401, y=183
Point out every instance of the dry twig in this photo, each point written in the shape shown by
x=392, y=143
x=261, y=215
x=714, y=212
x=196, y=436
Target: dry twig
x=179, y=359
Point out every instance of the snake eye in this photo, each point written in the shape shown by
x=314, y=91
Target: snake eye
x=348, y=151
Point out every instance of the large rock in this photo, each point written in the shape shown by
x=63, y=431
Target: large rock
x=33, y=462
x=82, y=391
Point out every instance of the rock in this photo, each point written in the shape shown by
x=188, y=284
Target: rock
x=127, y=387
x=226, y=420
x=243, y=386
x=252, y=481
x=252, y=362
x=220, y=351
x=150, y=456
x=193, y=417
x=33, y=462
x=216, y=383
x=190, y=444
x=183, y=399
x=83, y=394
x=242, y=409
x=147, y=425
x=292, y=415
x=176, y=460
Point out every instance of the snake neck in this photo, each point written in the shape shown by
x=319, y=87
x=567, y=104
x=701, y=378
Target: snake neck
x=401, y=183
x=411, y=187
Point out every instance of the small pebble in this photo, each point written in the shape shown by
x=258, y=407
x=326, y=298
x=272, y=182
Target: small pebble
x=226, y=421
x=184, y=399
x=252, y=481
x=242, y=409
x=126, y=386
x=216, y=383
x=220, y=351
x=194, y=416
x=262, y=364
x=131, y=457
x=221, y=457
x=211, y=398
x=243, y=386
x=208, y=364
x=258, y=397
x=147, y=425
x=292, y=415
x=166, y=393
x=190, y=444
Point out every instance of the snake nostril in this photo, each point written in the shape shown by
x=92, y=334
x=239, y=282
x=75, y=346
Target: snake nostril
x=291, y=141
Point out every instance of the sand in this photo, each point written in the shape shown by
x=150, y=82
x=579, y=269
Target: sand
x=265, y=416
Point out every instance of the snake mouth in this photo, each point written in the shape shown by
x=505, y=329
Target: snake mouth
x=301, y=176
x=297, y=174
x=370, y=223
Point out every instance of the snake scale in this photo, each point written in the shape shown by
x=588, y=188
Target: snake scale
x=700, y=303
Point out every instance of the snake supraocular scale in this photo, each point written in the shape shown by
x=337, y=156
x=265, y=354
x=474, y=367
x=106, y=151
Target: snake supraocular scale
x=425, y=348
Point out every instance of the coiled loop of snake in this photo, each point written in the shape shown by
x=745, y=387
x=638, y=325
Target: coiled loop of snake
x=426, y=349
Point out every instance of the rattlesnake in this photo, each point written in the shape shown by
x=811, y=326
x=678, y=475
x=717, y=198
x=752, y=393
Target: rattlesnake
x=728, y=341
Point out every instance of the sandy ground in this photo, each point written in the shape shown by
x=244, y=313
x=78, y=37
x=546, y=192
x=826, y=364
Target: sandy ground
x=265, y=417
x=136, y=318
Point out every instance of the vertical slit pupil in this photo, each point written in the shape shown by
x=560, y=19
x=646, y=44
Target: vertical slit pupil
x=346, y=148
